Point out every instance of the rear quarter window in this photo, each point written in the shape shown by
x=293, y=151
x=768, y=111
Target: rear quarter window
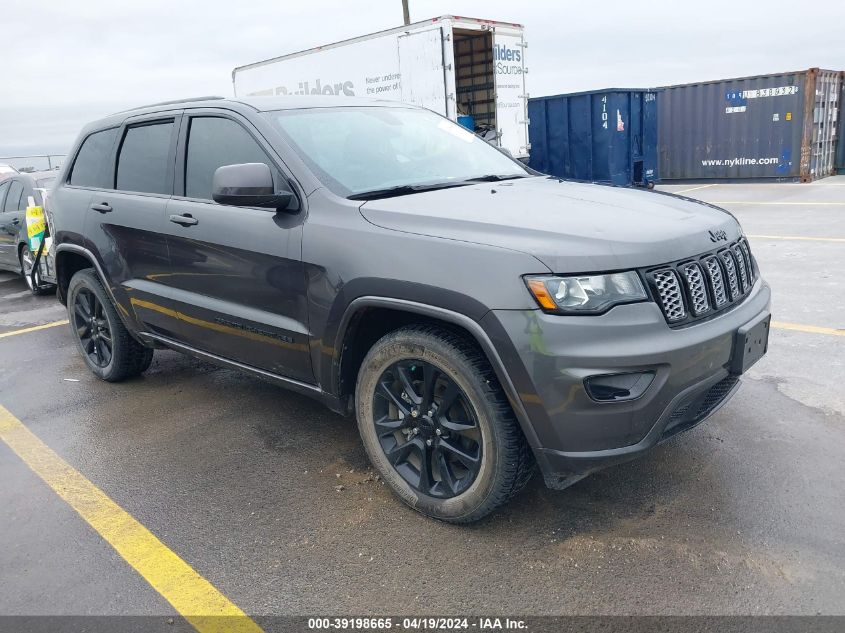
x=89, y=168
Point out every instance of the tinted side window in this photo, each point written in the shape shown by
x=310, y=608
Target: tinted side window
x=142, y=164
x=212, y=143
x=3, y=187
x=88, y=168
x=13, y=199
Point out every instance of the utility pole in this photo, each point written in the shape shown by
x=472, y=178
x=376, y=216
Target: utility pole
x=406, y=13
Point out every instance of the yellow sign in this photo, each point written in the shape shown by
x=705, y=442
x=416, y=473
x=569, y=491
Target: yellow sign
x=789, y=116
x=36, y=226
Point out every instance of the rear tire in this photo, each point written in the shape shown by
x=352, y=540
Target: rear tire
x=454, y=466
x=107, y=347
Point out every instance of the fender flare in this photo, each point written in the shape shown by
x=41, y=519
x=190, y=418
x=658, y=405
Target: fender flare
x=449, y=316
x=80, y=250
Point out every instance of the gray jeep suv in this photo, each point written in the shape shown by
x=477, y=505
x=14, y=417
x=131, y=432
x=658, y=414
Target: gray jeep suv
x=477, y=318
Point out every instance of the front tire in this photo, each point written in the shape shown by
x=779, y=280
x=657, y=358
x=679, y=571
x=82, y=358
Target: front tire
x=437, y=426
x=107, y=347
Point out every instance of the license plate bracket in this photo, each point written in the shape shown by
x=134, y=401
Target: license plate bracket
x=751, y=343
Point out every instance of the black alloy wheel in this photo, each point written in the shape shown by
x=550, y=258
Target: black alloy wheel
x=427, y=428
x=111, y=352
x=92, y=327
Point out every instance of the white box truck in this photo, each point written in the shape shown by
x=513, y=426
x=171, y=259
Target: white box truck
x=450, y=64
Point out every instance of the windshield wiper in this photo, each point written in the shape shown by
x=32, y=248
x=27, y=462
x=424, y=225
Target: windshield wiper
x=404, y=190
x=495, y=177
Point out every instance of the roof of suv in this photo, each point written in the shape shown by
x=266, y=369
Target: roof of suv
x=256, y=104
x=266, y=104
x=293, y=102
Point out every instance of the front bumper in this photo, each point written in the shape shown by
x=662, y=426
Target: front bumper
x=549, y=356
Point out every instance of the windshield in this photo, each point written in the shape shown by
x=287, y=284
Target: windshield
x=356, y=150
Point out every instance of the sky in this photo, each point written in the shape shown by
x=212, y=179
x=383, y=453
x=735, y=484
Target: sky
x=82, y=60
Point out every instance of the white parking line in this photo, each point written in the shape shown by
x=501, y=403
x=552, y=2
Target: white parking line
x=694, y=188
x=797, y=237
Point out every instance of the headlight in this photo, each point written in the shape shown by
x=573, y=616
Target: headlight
x=585, y=294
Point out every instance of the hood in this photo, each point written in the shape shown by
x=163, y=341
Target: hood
x=569, y=226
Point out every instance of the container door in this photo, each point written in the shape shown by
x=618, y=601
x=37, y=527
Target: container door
x=421, y=67
x=649, y=131
x=825, y=119
x=511, y=97
x=840, y=133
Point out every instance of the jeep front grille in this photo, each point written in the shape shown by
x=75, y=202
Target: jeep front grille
x=717, y=281
x=699, y=287
x=669, y=290
x=730, y=268
x=740, y=261
x=743, y=245
x=699, y=303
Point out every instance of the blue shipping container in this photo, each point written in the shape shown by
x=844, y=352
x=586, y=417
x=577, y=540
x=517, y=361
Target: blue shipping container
x=780, y=126
x=607, y=136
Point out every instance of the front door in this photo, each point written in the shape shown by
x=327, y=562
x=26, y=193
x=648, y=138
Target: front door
x=236, y=273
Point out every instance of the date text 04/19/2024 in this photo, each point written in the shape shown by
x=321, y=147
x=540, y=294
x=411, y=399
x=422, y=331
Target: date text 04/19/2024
x=417, y=623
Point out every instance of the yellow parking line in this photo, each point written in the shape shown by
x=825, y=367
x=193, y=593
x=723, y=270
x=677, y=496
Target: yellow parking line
x=694, y=188
x=797, y=237
x=208, y=610
x=34, y=328
x=811, y=329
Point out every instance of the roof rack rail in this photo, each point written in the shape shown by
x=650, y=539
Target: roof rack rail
x=174, y=101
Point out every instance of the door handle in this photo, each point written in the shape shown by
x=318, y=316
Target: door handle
x=184, y=220
x=103, y=207
x=16, y=221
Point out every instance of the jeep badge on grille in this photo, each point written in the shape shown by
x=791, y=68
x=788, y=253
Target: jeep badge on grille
x=717, y=236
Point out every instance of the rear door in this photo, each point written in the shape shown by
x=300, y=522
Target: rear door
x=237, y=279
x=422, y=69
x=87, y=175
x=4, y=188
x=125, y=221
x=511, y=97
x=11, y=218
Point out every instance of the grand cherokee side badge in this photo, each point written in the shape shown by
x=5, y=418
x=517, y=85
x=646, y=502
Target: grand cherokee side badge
x=716, y=236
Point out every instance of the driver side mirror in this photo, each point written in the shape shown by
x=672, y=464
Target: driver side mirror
x=249, y=185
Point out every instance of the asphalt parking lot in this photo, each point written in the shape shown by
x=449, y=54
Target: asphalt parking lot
x=269, y=497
